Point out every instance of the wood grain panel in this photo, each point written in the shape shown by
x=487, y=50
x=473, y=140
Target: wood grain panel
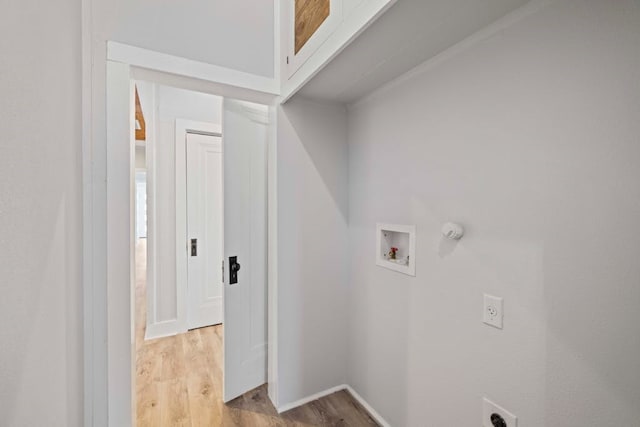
x=310, y=14
x=141, y=134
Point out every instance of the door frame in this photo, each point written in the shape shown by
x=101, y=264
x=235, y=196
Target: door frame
x=183, y=127
x=137, y=172
x=108, y=214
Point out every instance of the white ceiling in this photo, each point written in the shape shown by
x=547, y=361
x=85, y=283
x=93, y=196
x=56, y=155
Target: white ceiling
x=411, y=32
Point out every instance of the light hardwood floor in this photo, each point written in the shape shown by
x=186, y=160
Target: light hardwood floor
x=179, y=383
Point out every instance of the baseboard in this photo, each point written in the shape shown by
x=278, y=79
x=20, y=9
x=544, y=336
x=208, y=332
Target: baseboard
x=374, y=414
x=162, y=329
x=311, y=398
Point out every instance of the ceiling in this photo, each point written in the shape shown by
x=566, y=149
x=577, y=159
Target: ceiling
x=411, y=32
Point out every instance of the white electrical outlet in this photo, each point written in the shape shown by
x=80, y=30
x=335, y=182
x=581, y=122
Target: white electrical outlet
x=493, y=311
x=496, y=416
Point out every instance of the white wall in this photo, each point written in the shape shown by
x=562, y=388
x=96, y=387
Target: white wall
x=236, y=34
x=529, y=139
x=172, y=103
x=141, y=158
x=40, y=213
x=312, y=249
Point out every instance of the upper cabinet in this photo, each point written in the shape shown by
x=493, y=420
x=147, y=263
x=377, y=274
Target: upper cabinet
x=313, y=22
x=407, y=35
x=315, y=31
x=309, y=16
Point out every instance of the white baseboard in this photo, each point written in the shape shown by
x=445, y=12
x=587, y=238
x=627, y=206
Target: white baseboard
x=166, y=328
x=374, y=414
x=311, y=398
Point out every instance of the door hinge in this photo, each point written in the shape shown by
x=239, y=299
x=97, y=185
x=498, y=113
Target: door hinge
x=222, y=271
x=287, y=60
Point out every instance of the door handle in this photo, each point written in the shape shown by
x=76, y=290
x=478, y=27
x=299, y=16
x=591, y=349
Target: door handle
x=234, y=267
x=194, y=247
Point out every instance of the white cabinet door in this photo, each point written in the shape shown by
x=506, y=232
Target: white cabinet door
x=204, y=230
x=245, y=237
x=311, y=22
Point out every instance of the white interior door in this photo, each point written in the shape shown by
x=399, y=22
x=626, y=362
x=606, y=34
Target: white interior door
x=204, y=228
x=245, y=237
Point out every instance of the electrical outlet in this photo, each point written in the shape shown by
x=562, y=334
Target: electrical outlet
x=496, y=416
x=493, y=311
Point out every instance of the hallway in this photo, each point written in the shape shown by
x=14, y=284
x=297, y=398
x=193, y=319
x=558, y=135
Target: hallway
x=179, y=382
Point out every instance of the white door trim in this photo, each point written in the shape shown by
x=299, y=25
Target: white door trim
x=145, y=58
x=183, y=127
x=120, y=241
x=153, y=327
x=107, y=231
x=138, y=173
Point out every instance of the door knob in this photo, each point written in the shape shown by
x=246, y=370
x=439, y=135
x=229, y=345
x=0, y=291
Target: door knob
x=498, y=421
x=234, y=267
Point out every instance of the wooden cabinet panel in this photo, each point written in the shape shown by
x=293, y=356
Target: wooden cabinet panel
x=311, y=23
x=309, y=15
x=141, y=128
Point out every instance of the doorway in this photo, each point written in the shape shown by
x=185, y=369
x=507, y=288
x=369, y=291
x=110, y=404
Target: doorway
x=200, y=336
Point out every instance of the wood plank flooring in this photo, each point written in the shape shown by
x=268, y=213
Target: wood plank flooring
x=179, y=383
